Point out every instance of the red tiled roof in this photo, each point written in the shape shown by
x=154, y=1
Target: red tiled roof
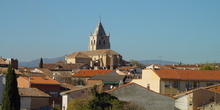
x=62, y=66
x=94, y=52
x=188, y=74
x=215, y=88
x=89, y=73
x=41, y=80
x=32, y=92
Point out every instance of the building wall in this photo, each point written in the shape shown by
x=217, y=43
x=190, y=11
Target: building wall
x=37, y=102
x=64, y=101
x=204, y=97
x=149, y=79
x=144, y=97
x=26, y=103
x=2, y=86
x=49, y=89
x=93, y=82
x=23, y=83
x=70, y=60
x=182, y=103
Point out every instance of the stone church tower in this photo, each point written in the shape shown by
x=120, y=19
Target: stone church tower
x=99, y=39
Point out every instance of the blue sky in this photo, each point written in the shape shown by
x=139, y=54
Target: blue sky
x=174, y=30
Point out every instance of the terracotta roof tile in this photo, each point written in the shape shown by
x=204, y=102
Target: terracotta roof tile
x=188, y=74
x=62, y=66
x=41, y=80
x=126, y=67
x=89, y=73
x=95, y=52
x=32, y=92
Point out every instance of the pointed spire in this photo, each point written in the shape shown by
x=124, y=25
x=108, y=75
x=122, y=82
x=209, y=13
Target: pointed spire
x=99, y=31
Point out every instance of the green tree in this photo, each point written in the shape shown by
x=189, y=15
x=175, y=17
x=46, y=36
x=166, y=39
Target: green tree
x=11, y=98
x=99, y=101
x=210, y=66
x=40, y=65
x=136, y=63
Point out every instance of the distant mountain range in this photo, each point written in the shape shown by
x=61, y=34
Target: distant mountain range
x=34, y=63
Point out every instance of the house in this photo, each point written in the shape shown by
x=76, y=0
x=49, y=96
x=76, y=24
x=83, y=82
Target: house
x=45, y=84
x=6, y=62
x=184, y=67
x=174, y=81
x=195, y=99
x=130, y=71
x=143, y=97
x=109, y=81
x=156, y=66
x=33, y=98
x=84, y=75
x=82, y=92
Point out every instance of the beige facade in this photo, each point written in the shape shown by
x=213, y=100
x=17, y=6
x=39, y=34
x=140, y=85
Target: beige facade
x=171, y=83
x=150, y=80
x=103, y=58
x=194, y=99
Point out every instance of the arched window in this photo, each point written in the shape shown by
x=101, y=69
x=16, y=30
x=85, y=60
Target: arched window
x=94, y=42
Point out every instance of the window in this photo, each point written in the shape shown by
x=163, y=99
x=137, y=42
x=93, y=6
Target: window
x=167, y=83
x=99, y=42
x=104, y=42
x=175, y=84
x=209, y=83
x=54, y=94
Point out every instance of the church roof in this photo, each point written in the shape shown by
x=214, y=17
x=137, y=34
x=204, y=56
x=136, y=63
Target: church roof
x=78, y=55
x=95, y=52
x=99, y=31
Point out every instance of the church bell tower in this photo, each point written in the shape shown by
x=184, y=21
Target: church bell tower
x=99, y=39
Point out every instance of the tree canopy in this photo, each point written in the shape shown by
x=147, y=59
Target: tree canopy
x=11, y=98
x=99, y=101
x=136, y=63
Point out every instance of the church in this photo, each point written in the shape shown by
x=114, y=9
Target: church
x=99, y=54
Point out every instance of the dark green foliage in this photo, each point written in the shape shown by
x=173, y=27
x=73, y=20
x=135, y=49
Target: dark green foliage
x=210, y=66
x=41, y=63
x=99, y=101
x=11, y=98
x=136, y=63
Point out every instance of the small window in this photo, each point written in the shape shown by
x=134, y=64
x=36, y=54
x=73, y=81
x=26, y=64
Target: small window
x=209, y=83
x=167, y=83
x=54, y=94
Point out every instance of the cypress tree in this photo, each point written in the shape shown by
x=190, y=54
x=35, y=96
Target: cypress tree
x=11, y=98
x=40, y=65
